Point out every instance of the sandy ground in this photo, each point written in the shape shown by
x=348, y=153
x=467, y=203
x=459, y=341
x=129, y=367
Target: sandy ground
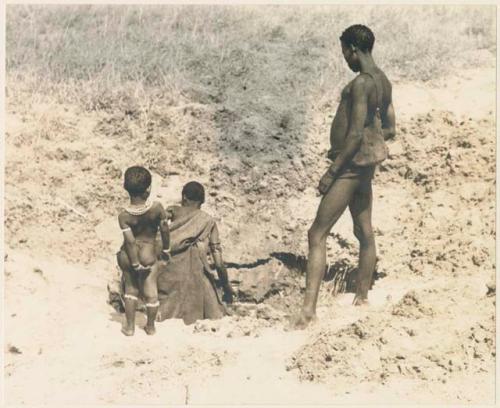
x=427, y=337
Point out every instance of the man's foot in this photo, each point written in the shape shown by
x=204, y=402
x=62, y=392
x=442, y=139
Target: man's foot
x=127, y=331
x=150, y=330
x=360, y=301
x=301, y=320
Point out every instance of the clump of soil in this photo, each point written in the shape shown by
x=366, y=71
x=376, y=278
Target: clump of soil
x=411, y=306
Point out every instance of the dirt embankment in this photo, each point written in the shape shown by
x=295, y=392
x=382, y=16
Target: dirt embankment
x=431, y=324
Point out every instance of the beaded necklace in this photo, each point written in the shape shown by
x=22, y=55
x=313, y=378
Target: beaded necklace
x=141, y=209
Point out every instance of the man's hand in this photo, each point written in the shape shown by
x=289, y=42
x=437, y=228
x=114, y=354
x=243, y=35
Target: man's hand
x=326, y=181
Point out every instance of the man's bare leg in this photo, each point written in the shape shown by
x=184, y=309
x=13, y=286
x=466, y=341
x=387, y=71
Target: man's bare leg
x=330, y=209
x=361, y=212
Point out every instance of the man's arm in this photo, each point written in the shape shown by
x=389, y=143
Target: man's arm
x=359, y=109
x=130, y=245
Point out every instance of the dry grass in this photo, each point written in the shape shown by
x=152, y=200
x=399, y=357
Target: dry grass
x=101, y=57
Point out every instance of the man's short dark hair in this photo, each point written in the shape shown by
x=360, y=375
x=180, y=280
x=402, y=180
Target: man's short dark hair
x=194, y=191
x=360, y=36
x=137, y=180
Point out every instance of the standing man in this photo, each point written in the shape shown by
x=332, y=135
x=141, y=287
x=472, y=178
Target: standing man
x=364, y=120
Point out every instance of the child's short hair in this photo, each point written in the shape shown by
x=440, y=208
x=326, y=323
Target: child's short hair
x=360, y=36
x=137, y=180
x=194, y=191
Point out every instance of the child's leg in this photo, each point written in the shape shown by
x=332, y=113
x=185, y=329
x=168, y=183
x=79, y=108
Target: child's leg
x=131, y=293
x=151, y=298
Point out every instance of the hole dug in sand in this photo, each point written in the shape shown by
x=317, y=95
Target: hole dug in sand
x=269, y=290
x=274, y=290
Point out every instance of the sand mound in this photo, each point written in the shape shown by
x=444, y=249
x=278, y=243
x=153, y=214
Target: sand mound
x=385, y=348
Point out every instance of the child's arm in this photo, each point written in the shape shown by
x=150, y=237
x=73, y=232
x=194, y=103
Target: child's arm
x=216, y=251
x=164, y=231
x=170, y=212
x=130, y=246
x=177, y=221
x=389, y=120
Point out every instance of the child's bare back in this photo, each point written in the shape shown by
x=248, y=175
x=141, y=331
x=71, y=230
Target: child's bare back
x=144, y=228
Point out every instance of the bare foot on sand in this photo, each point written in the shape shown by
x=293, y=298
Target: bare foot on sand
x=150, y=330
x=127, y=331
x=359, y=301
x=301, y=320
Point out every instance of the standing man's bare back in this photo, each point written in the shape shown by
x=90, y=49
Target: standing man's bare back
x=364, y=119
x=340, y=124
